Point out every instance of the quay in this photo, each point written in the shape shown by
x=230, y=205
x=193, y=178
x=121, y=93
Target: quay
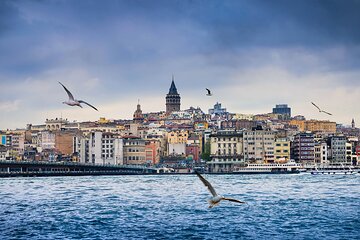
x=44, y=169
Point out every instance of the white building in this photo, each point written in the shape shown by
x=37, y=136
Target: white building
x=226, y=150
x=46, y=141
x=95, y=145
x=100, y=148
x=176, y=148
x=259, y=145
x=82, y=148
x=321, y=153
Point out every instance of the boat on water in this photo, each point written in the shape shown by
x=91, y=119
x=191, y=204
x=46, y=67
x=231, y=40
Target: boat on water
x=269, y=168
x=334, y=170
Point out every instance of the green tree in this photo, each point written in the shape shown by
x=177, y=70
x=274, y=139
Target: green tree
x=206, y=153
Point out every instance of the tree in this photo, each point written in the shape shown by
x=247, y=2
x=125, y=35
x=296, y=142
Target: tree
x=206, y=153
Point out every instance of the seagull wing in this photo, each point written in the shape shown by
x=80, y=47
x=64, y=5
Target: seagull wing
x=315, y=106
x=71, y=97
x=233, y=200
x=326, y=112
x=207, y=184
x=81, y=101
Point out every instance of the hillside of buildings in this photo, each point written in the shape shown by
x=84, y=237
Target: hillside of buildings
x=175, y=137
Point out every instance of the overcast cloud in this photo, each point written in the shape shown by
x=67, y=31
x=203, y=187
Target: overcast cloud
x=253, y=54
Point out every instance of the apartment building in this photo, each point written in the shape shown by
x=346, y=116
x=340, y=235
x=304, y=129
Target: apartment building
x=303, y=150
x=226, y=150
x=282, y=149
x=258, y=145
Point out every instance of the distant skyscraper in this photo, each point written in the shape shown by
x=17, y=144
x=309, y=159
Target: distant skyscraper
x=283, y=110
x=217, y=109
x=172, y=99
x=353, y=123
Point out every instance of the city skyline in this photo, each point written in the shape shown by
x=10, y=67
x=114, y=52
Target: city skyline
x=251, y=54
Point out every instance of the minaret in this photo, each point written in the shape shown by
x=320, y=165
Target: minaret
x=172, y=99
x=138, y=116
x=353, y=124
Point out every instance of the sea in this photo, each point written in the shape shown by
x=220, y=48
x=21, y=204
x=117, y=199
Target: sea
x=294, y=206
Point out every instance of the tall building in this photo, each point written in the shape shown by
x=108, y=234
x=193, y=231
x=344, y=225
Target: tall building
x=104, y=148
x=283, y=110
x=172, y=99
x=303, y=150
x=226, y=150
x=338, y=149
x=259, y=145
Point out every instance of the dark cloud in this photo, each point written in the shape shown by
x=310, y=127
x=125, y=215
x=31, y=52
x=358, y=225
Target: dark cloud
x=141, y=41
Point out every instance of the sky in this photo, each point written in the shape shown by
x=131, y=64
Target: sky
x=252, y=54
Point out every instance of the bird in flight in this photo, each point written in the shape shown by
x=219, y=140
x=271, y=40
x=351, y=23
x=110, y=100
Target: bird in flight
x=75, y=102
x=209, y=92
x=215, y=199
x=320, y=109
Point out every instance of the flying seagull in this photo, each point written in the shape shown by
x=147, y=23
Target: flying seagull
x=209, y=92
x=75, y=102
x=320, y=109
x=215, y=199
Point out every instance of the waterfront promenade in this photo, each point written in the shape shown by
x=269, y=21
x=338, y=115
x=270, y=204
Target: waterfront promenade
x=38, y=169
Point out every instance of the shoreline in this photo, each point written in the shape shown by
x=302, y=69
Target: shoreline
x=64, y=174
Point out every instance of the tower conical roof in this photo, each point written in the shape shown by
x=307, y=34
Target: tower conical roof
x=173, y=90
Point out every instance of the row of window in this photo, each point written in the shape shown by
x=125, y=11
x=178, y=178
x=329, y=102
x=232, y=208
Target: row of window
x=259, y=148
x=251, y=138
x=227, y=139
x=107, y=146
x=223, y=152
x=267, y=153
x=285, y=151
x=134, y=143
x=284, y=144
x=134, y=158
x=229, y=145
x=107, y=151
x=258, y=133
x=133, y=150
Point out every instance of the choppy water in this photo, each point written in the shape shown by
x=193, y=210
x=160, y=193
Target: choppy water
x=175, y=207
